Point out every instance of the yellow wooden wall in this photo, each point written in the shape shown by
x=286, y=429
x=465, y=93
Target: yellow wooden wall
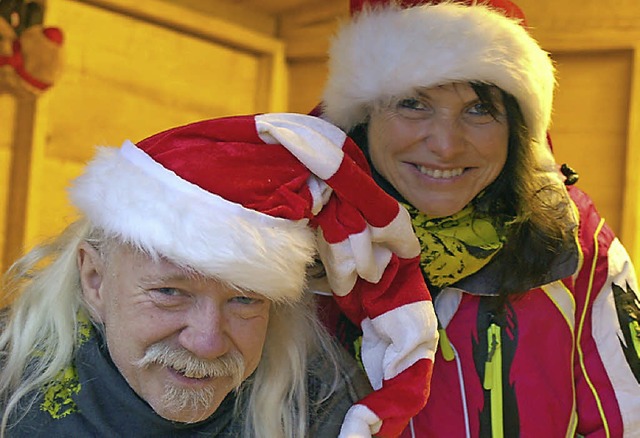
x=306, y=35
x=131, y=69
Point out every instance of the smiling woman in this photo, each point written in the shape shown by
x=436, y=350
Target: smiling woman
x=451, y=101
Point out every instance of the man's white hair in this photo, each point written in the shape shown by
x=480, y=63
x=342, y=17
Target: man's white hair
x=38, y=338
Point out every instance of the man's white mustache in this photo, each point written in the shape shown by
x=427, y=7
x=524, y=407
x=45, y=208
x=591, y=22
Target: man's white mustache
x=229, y=365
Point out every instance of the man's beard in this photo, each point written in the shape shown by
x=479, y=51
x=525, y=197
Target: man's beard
x=177, y=398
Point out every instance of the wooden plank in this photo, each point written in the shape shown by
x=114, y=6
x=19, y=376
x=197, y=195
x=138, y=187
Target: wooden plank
x=268, y=50
x=631, y=213
x=255, y=15
x=312, y=13
x=587, y=39
x=272, y=85
x=600, y=26
x=142, y=77
x=307, y=31
x=130, y=72
x=8, y=110
x=307, y=78
x=310, y=42
x=187, y=21
x=574, y=15
x=603, y=40
x=19, y=177
x=589, y=129
x=276, y=7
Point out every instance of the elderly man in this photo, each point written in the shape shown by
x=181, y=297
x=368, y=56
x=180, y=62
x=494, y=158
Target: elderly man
x=175, y=305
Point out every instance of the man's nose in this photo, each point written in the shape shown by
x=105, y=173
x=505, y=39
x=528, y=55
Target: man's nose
x=204, y=333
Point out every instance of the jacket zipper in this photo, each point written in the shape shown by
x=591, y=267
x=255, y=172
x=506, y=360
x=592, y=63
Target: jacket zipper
x=449, y=354
x=445, y=346
x=493, y=379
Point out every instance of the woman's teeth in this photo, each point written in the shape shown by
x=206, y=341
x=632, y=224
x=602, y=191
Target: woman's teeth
x=440, y=174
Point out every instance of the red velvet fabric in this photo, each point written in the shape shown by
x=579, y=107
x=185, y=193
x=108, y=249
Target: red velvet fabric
x=509, y=8
x=225, y=158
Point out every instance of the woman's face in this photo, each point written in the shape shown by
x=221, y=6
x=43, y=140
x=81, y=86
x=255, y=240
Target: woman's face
x=440, y=147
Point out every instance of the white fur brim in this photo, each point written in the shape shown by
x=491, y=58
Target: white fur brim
x=386, y=53
x=131, y=196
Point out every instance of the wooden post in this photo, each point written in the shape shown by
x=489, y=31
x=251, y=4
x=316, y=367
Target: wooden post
x=19, y=175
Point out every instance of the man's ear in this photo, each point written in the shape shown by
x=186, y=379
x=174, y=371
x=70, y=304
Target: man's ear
x=91, y=268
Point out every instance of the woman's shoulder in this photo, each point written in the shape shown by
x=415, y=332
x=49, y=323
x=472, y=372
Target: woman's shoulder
x=584, y=205
x=591, y=225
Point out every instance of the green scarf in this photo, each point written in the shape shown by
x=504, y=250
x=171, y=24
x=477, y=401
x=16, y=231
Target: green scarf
x=456, y=246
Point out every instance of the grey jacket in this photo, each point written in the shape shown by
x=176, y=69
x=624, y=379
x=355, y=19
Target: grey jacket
x=100, y=403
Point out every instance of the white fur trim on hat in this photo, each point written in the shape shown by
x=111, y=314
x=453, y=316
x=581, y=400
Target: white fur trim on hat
x=386, y=53
x=131, y=196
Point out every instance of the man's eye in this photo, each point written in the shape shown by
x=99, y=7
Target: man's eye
x=243, y=299
x=167, y=297
x=168, y=291
x=411, y=103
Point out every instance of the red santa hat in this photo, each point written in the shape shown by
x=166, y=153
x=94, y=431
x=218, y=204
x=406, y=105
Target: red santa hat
x=507, y=7
x=249, y=200
x=389, y=49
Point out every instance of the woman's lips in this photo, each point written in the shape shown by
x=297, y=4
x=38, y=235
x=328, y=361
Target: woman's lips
x=440, y=173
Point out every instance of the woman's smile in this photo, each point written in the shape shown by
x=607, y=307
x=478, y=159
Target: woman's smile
x=441, y=148
x=440, y=173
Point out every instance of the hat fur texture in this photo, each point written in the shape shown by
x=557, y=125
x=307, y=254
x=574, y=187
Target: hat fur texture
x=388, y=52
x=132, y=197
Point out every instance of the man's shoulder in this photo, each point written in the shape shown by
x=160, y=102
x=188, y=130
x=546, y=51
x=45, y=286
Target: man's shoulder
x=343, y=378
x=334, y=386
x=34, y=421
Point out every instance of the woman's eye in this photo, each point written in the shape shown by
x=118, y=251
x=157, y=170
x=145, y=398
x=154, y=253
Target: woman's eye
x=414, y=109
x=481, y=113
x=479, y=109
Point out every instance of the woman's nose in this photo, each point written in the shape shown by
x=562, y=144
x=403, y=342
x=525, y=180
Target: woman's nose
x=204, y=333
x=445, y=137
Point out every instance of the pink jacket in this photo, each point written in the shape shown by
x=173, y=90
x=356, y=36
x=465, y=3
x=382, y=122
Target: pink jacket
x=563, y=360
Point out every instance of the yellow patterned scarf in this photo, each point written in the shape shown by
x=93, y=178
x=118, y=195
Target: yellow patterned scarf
x=58, y=394
x=456, y=246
